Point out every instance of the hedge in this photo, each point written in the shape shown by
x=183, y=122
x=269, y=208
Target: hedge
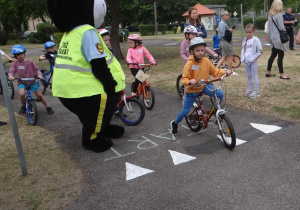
x=259, y=23
x=247, y=20
x=150, y=29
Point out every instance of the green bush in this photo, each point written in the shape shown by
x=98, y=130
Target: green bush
x=247, y=20
x=33, y=37
x=259, y=23
x=57, y=36
x=3, y=37
x=162, y=28
x=12, y=36
x=44, y=30
x=146, y=29
x=125, y=36
x=174, y=29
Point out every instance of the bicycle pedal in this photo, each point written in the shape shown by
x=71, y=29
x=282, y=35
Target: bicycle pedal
x=38, y=100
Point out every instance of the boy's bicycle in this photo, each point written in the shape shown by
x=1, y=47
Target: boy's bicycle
x=130, y=110
x=43, y=84
x=31, y=107
x=144, y=88
x=235, y=64
x=10, y=84
x=199, y=117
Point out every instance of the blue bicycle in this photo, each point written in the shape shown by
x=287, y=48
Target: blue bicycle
x=43, y=84
x=31, y=107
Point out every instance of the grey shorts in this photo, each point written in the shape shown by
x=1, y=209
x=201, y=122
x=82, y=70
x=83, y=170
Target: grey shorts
x=226, y=48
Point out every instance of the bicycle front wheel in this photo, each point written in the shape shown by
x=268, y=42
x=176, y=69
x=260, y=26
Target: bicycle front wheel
x=32, y=113
x=11, y=89
x=132, y=112
x=227, y=132
x=149, y=98
x=236, y=61
x=42, y=86
x=179, y=86
x=192, y=120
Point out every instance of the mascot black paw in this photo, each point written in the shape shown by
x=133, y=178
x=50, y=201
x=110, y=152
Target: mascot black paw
x=100, y=144
x=114, y=131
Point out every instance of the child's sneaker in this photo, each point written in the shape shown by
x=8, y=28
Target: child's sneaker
x=22, y=110
x=248, y=93
x=254, y=94
x=49, y=110
x=133, y=94
x=174, y=127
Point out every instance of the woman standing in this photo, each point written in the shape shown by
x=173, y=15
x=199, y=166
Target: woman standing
x=195, y=21
x=275, y=17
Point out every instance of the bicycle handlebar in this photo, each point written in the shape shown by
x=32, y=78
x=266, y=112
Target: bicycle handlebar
x=142, y=65
x=205, y=82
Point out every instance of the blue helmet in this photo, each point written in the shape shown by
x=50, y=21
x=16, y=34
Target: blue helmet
x=18, y=49
x=49, y=44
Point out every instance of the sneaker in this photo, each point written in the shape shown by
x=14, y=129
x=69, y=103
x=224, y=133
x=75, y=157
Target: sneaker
x=116, y=113
x=3, y=123
x=248, y=93
x=49, y=110
x=255, y=94
x=133, y=94
x=174, y=127
x=22, y=110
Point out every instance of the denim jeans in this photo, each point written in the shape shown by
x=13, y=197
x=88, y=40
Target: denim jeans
x=189, y=99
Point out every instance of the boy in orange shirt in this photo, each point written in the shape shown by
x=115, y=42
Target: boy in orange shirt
x=198, y=67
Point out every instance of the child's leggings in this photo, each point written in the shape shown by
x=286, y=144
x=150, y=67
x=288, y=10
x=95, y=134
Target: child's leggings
x=189, y=99
x=136, y=81
x=251, y=69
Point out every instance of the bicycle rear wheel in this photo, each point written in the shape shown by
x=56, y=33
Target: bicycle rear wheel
x=149, y=100
x=192, y=120
x=227, y=132
x=179, y=86
x=32, y=113
x=133, y=113
x=236, y=61
x=42, y=86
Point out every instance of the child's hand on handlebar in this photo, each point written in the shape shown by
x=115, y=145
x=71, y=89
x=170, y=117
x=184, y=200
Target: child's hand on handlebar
x=40, y=77
x=154, y=64
x=192, y=82
x=11, y=78
x=229, y=72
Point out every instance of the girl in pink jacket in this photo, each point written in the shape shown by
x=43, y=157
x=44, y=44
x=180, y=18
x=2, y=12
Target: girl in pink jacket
x=135, y=54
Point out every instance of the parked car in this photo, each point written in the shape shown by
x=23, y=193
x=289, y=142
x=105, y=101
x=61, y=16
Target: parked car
x=132, y=28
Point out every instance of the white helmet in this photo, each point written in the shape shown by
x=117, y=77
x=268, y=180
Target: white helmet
x=197, y=41
x=103, y=31
x=99, y=12
x=190, y=30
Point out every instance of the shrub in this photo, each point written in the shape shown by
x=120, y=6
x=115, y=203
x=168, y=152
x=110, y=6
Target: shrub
x=259, y=23
x=33, y=37
x=57, y=36
x=3, y=37
x=247, y=20
x=162, y=28
x=44, y=30
x=174, y=29
x=125, y=36
x=12, y=36
x=146, y=29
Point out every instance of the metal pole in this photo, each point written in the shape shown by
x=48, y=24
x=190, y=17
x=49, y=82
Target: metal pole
x=242, y=22
x=155, y=17
x=12, y=119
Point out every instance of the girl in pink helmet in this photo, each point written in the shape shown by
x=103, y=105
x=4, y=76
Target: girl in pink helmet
x=135, y=54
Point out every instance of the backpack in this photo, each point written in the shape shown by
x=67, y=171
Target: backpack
x=228, y=36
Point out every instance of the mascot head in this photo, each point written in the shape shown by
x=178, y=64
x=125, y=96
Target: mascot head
x=67, y=14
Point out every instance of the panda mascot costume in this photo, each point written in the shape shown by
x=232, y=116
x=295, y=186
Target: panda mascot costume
x=87, y=78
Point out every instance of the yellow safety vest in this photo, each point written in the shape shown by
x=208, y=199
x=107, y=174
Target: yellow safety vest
x=73, y=76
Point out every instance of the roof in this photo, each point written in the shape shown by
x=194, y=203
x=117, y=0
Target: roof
x=202, y=10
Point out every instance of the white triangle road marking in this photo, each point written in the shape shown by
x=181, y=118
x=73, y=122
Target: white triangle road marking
x=265, y=128
x=180, y=158
x=133, y=171
x=238, y=141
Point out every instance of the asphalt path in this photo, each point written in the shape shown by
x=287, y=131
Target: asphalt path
x=149, y=168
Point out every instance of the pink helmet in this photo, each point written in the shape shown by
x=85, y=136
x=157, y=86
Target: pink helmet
x=135, y=37
x=103, y=31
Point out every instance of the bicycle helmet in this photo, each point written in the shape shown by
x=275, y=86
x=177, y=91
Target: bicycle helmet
x=49, y=44
x=103, y=31
x=197, y=41
x=17, y=49
x=135, y=37
x=190, y=30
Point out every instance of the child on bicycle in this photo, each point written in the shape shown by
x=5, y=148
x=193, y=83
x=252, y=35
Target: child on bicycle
x=135, y=54
x=26, y=69
x=198, y=67
x=106, y=38
x=190, y=32
x=251, y=51
x=50, y=51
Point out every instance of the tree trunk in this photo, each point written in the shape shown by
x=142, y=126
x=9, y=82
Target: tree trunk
x=18, y=31
x=114, y=33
